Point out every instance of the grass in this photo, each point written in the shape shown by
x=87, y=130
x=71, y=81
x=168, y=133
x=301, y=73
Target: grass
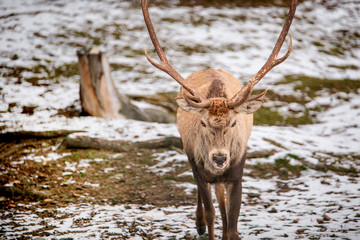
x=51, y=72
x=280, y=168
x=312, y=86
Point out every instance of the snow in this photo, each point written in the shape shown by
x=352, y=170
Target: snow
x=238, y=40
x=275, y=215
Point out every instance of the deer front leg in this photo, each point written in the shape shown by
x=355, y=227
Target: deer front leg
x=233, y=200
x=204, y=192
x=200, y=216
x=220, y=195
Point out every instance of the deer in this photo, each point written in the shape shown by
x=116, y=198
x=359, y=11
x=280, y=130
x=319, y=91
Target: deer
x=215, y=120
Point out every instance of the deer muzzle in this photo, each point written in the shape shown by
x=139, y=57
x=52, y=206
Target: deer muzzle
x=219, y=160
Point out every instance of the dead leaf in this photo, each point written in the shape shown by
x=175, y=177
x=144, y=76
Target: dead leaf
x=300, y=231
x=326, y=217
x=320, y=221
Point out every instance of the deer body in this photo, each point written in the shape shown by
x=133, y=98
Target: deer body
x=215, y=120
x=215, y=84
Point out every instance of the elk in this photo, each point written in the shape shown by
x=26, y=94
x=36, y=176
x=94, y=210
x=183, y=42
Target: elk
x=214, y=119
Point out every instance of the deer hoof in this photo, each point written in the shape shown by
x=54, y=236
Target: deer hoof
x=201, y=230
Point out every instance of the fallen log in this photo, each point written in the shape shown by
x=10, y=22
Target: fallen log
x=120, y=146
x=10, y=136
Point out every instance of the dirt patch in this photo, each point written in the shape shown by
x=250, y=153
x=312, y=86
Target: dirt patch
x=85, y=176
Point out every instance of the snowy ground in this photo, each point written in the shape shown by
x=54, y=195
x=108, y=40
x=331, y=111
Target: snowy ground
x=40, y=36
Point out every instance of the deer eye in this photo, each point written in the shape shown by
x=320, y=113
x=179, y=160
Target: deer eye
x=203, y=124
x=234, y=123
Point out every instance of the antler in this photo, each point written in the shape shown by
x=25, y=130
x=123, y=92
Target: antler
x=243, y=95
x=195, y=99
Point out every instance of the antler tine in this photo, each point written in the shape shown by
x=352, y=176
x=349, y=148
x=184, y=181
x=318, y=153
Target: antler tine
x=272, y=61
x=165, y=64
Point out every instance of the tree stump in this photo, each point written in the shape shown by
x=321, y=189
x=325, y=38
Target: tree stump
x=98, y=94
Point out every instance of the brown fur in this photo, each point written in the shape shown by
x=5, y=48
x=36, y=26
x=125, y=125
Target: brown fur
x=218, y=85
x=217, y=89
x=218, y=107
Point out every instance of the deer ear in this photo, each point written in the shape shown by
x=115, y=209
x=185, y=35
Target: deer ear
x=249, y=107
x=184, y=105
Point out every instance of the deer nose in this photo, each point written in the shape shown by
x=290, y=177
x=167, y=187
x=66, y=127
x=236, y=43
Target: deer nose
x=219, y=160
